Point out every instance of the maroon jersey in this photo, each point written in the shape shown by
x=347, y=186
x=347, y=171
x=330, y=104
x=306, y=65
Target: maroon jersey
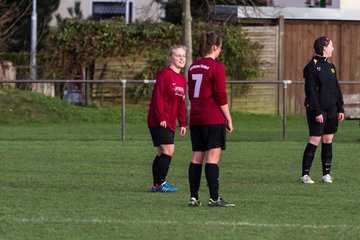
x=207, y=92
x=168, y=100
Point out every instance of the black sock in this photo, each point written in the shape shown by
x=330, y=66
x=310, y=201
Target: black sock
x=308, y=158
x=212, y=178
x=194, y=179
x=155, y=169
x=164, y=164
x=326, y=157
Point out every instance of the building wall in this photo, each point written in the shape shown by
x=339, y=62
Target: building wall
x=342, y=4
x=349, y=4
x=143, y=9
x=302, y=3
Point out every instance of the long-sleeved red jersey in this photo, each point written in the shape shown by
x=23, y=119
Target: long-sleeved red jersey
x=168, y=100
x=207, y=92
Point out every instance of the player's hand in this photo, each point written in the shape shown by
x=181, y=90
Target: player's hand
x=163, y=124
x=182, y=131
x=341, y=116
x=229, y=127
x=319, y=119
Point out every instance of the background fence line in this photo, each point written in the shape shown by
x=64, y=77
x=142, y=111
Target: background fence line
x=123, y=83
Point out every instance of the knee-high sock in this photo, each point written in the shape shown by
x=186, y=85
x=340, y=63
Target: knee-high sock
x=212, y=178
x=164, y=164
x=155, y=169
x=194, y=179
x=308, y=158
x=326, y=157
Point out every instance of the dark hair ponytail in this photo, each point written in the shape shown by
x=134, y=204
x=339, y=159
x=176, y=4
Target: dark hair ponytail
x=207, y=40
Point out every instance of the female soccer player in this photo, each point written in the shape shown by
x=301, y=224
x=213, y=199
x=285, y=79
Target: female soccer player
x=167, y=104
x=324, y=108
x=209, y=118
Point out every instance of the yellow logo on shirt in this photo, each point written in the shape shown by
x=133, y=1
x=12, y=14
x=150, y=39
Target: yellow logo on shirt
x=315, y=61
x=333, y=70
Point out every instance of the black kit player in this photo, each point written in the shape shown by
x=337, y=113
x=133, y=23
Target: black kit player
x=324, y=108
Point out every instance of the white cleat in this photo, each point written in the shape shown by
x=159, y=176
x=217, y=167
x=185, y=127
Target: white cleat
x=327, y=178
x=306, y=180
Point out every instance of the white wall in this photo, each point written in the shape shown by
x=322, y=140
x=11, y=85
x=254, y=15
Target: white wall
x=288, y=3
x=65, y=4
x=350, y=4
x=148, y=9
x=301, y=3
x=144, y=9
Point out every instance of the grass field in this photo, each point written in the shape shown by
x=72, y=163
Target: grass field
x=79, y=181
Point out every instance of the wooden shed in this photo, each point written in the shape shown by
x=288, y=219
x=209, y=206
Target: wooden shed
x=295, y=30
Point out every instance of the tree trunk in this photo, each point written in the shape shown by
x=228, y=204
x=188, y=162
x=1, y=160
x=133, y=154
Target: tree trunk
x=188, y=43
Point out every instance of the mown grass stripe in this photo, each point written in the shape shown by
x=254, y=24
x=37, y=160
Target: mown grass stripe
x=171, y=222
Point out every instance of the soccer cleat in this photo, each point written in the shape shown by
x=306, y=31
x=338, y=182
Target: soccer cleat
x=166, y=187
x=306, y=179
x=193, y=202
x=327, y=178
x=154, y=188
x=220, y=203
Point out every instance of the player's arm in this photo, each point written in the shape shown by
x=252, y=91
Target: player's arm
x=159, y=91
x=181, y=115
x=311, y=90
x=225, y=110
x=221, y=96
x=340, y=100
x=220, y=86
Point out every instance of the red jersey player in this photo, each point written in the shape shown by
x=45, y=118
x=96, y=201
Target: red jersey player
x=209, y=118
x=167, y=104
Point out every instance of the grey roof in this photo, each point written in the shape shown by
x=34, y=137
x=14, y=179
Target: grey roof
x=288, y=13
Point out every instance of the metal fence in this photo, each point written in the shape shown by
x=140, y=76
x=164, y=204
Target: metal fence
x=124, y=82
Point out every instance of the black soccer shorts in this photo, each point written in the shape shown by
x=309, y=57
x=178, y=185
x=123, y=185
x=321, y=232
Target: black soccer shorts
x=205, y=137
x=162, y=136
x=329, y=126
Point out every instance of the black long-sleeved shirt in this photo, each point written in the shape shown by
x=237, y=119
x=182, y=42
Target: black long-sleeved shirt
x=323, y=93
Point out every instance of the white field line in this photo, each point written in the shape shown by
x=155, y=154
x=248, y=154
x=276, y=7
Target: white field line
x=170, y=222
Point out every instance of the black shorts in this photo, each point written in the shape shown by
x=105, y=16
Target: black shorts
x=205, y=137
x=162, y=136
x=329, y=126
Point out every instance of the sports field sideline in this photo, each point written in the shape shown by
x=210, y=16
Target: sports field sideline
x=79, y=181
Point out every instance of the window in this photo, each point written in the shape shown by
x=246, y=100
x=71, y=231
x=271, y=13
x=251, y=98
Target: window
x=104, y=10
x=316, y=3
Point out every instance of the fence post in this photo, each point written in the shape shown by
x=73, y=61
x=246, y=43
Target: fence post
x=123, y=88
x=285, y=83
x=231, y=96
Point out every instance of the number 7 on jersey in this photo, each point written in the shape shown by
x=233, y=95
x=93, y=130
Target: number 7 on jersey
x=198, y=78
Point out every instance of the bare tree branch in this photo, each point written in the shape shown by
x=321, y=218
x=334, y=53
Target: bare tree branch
x=10, y=15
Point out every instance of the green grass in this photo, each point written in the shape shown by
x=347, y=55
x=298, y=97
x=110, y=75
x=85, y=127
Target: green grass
x=19, y=107
x=77, y=180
